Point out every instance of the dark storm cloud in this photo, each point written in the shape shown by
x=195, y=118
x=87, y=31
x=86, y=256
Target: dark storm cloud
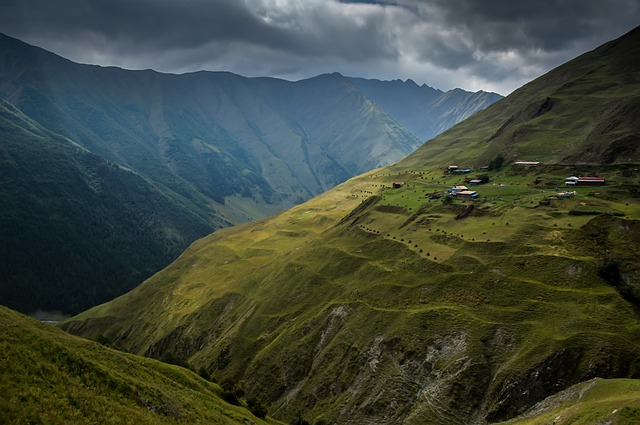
x=505, y=42
x=549, y=25
x=134, y=25
x=143, y=25
x=163, y=23
x=495, y=45
x=475, y=28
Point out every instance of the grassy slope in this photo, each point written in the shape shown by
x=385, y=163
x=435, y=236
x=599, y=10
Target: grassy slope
x=326, y=317
x=49, y=377
x=614, y=401
x=376, y=305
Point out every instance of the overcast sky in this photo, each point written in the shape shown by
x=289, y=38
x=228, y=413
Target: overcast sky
x=473, y=44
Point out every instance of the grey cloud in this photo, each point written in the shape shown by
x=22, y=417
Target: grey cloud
x=458, y=42
x=134, y=25
x=549, y=25
x=140, y=23
x=446, y=52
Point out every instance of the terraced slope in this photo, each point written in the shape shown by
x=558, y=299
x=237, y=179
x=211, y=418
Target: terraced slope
x=382, y=307
x=49, y=377
x=375, y=304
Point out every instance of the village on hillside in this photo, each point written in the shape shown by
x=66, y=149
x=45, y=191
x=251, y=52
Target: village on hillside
x=431, y=210
x=463, y=192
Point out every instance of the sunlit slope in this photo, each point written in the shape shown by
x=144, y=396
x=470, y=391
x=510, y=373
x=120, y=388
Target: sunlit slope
x=374, y=304
x=584, y=111
x=363, y=299
x=50, y=377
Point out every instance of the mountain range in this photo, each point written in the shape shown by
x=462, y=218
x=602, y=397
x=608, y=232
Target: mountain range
x=108, y=174
x=393, y=299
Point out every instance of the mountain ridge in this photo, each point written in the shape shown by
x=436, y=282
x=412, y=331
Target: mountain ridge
x=220, y=147
x=401, y=100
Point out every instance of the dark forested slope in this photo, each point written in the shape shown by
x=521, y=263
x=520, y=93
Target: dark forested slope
x=75, y=229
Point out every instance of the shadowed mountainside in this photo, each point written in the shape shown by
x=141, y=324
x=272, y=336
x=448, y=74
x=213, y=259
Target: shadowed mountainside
x=423, y=110
x=71, y=221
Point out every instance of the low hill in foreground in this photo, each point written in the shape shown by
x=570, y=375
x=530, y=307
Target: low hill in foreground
x=49, y=377
x=386, y=301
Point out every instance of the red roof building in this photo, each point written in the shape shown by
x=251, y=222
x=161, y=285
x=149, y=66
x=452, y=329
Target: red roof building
x=584, y=181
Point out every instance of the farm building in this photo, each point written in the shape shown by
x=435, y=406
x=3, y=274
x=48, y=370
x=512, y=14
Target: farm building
x=466, y=194
x=462, y=192
x=397, y=185
x=454, y=169
x=475, y=182
x=584, y=181
x=526, y=163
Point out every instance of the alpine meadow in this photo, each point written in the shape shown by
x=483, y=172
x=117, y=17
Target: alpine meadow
x=491, y=276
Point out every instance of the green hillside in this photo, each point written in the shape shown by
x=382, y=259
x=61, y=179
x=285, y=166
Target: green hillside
x=598, y=401
x=49, y=377
x=374, y=304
